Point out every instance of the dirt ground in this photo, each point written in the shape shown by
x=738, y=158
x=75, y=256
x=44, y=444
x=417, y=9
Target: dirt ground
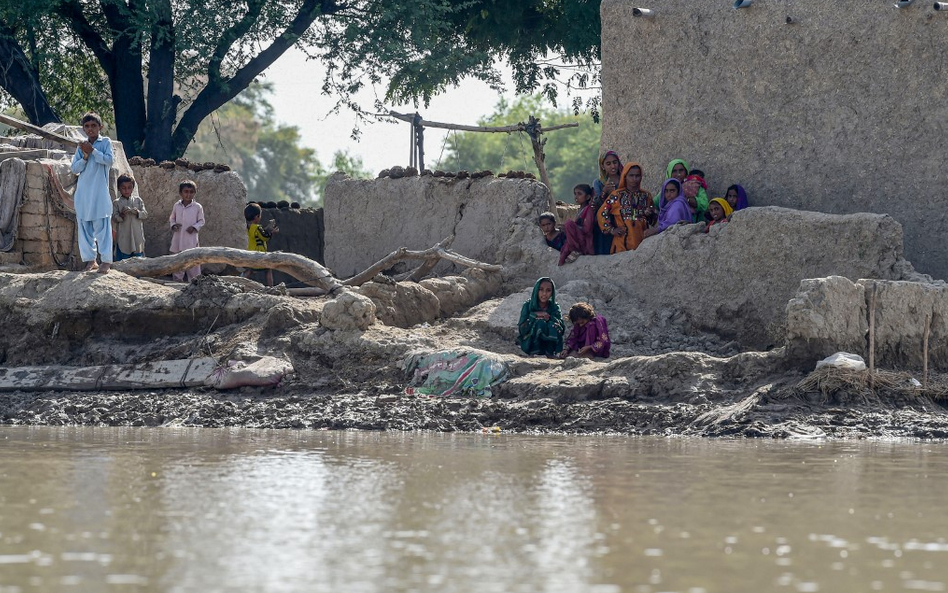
x=661, y=381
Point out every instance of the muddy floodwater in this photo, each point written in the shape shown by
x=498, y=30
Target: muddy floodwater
x=203, y=510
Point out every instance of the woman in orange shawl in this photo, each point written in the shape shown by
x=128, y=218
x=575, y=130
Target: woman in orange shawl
x=628, y=211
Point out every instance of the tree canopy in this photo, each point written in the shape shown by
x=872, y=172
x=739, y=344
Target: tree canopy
x=266, y=154
x=163, y=66
x=571, y=154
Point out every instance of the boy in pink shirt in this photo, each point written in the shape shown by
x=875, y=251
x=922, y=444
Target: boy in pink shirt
x=187, y=218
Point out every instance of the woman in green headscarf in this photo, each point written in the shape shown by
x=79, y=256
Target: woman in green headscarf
x=541, y=323
x=679, y=169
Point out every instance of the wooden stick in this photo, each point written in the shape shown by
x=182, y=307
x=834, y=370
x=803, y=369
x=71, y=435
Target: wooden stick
x=27, y=127
x=872, y=336
x=298, y=266
x=928, y=332
x=520, y=127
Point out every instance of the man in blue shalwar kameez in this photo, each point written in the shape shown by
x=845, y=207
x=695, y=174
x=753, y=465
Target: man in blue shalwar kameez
x=92, y=163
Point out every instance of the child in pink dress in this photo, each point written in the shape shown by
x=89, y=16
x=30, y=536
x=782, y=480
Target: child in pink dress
x=187, y=219
x=589, y=337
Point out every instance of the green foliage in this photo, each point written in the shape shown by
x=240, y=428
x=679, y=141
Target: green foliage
x=571, y=154
x=266, y=154
x=200, y=54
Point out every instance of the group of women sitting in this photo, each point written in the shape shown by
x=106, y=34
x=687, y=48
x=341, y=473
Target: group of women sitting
x=617, y=214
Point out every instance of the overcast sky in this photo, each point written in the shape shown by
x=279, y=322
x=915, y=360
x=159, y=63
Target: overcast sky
x=298, y=101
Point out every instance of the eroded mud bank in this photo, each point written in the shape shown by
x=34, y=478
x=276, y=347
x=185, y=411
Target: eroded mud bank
x=665, y=379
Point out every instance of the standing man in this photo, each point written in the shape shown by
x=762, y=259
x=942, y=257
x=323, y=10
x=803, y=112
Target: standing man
x=92, y=163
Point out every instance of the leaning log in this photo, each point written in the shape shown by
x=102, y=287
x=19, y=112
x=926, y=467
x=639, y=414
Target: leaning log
x=302, y=268
x=435, y=254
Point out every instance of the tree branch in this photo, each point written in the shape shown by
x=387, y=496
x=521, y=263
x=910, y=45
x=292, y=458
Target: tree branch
x=214, y=96
x=71, y=11
x=435, y=253
x=301, y=268
x=21, y=80
x=229, y=37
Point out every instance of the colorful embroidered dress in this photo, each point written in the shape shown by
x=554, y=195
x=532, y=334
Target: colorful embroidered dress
x=626, y=209
x=541, y=336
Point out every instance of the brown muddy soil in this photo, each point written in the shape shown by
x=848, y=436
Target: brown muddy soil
x=756, y=416
x=354, y=379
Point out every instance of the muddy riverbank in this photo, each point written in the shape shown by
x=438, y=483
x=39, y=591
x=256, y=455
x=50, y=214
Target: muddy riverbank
x=664, y=377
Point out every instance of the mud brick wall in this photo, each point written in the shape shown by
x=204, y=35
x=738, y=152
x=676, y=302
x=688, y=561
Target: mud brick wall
x=40, y=244
x=843, y=110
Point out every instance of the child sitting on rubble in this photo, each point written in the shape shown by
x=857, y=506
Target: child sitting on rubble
x=258, y=236
x=718, y=210
x=589, y=337
x=541, y=324
x=579, y=232
x=128, y=212
x=554, y=238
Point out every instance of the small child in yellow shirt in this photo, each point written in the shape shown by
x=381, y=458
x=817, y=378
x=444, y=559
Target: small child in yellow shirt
x=258, y=236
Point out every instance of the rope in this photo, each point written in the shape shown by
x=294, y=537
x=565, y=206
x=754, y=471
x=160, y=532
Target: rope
x=457, y=152
x=500, y=168
x=49, y=229
x=443, y=144
x=522, y=154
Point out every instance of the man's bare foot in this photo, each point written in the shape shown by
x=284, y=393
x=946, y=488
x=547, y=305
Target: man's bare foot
x=105, y=267
x=90, y=267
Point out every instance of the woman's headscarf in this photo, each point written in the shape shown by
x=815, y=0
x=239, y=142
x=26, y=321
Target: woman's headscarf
x=741, y=197
x=697, y=178
x=674, y=211
x=602, y=164
x=535, y=299
x=671, y=165
x=625, y=173
x=661, y=196
x=727, y=207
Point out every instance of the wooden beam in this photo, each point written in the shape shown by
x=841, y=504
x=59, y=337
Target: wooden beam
x=520, y=127
x=27, y=127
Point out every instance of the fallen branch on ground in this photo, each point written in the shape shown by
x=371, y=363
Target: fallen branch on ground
x=302, y=268
x=432, y=254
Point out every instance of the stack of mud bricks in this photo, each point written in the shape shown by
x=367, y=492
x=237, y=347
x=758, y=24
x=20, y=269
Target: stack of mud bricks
x=45, y=239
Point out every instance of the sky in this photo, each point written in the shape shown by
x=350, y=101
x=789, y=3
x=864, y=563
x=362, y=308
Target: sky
x=298, y=101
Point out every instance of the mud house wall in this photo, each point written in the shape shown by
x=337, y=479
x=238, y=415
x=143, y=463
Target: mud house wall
x=830, y=315
x=368, y=219
x=301, y=231
x=223, y=196
x=39, y=244
x=844, y=110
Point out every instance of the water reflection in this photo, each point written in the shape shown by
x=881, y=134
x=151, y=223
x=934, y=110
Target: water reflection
x=219, y=510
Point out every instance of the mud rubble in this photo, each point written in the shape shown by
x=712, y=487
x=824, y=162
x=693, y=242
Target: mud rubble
x=665, y=378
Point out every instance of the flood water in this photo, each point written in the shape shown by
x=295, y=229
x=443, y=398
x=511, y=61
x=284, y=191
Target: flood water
x=106, y=509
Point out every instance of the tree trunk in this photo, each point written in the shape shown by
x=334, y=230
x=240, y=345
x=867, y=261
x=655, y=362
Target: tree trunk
x=21, y=81
x=162, y=103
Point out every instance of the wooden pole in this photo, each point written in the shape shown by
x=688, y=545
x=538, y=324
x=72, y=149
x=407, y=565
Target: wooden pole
x=535, y=130
x=928, y=333
x=419, y=140
x=872, y=336
x=27, y=127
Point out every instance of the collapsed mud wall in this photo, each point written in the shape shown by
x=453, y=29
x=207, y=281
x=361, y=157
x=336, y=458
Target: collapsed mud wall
x=833, y=314
x=843, y=110
x=736, y=280
x=368, y=219
x=223, y=196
